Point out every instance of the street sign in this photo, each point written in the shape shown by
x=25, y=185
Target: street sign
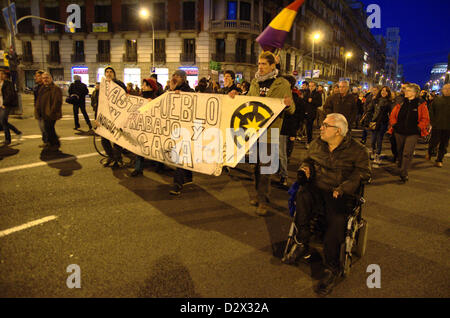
x=5, y=12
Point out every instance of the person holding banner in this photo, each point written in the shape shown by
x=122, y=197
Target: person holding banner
x=114, y=153
x=267, y=83
x=182, y=176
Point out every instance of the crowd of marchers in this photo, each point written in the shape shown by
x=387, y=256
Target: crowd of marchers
x=336, y=162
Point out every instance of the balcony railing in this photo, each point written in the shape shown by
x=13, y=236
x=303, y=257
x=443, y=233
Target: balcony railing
x=130, y=58
x=235, y=25
x=103, y=57
x=218, y=57
x=187, y=58
x=77, y=58
x=160, y=26
x=53, y=58
x=159, y=57
x=187, y=26
x=128, y=27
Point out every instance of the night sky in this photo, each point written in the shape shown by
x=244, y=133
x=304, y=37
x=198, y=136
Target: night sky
x=424, y=32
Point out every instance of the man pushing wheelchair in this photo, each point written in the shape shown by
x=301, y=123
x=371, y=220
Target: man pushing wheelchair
x=330, y=178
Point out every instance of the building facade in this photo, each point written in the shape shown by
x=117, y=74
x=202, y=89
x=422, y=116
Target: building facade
x=392, y=53
x=203, y=37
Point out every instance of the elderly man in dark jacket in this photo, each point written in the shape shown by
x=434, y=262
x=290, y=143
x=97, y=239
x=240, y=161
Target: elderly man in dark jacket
x=344, y=103
x=49, y=109
x=334, y=167
x=80, y=90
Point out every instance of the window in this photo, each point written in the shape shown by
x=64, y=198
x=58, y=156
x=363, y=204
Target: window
x=103, y=14
x=189, y=14
x=160, y=46
x=54, y=48
x=245, y=11
x=189, y=46
x=220, y=50
x=129, y=17
x=241, y=48
x=26, y=47
x=131, y=48
x=57, y=74
x=159, y=15
x=79, y=48
x=103, y=46
x=232, y=10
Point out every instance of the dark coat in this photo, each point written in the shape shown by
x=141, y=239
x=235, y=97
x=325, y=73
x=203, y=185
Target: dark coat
x=80, y=89
x=9, y=94
x=345, y=105
x=49, y=103
x=341, y=170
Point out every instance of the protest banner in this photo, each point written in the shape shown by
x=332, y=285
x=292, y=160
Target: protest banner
x=195, y=131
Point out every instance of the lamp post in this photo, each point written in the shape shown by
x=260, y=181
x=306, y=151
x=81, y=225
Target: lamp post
x=315, y=37
x=145, y=14
x=347, y=56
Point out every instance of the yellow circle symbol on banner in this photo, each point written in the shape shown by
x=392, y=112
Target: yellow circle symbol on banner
x=248, y=119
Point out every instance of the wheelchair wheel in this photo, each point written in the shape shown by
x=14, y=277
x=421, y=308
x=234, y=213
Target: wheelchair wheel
x=362, y=239
x=346, y=261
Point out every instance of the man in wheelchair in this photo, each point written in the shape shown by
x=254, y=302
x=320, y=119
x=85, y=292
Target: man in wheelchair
x=331, y=174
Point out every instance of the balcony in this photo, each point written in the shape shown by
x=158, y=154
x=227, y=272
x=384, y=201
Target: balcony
x=103, y=57
x=53, y=58
x=235, y=25
x=130, y=58
x=77, y=58
x=218, y=57
x=129, y=27
x=187, y=58
x=192, y=26
x=160, y=26
x=160, y=57
x=27, y=59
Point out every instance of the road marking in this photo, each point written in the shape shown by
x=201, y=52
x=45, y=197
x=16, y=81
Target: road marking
x=27, y=225
x=73, y=138
x=43, y=163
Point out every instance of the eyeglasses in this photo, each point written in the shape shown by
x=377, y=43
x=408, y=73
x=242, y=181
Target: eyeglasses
x=326, y=125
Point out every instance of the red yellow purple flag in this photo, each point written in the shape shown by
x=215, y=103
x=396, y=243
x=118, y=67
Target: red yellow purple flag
x=274, y=35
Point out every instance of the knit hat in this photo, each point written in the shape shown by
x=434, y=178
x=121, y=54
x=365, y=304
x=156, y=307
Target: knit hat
x=181, y=74
x=110, y=68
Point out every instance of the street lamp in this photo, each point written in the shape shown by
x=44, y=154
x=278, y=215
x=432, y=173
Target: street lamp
x=347, y=56
x=145, y=14
x=315, y=37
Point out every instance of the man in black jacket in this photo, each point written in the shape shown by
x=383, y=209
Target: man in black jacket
x=79, y=89
x=314, y=100
x=8, y=101
x=181, y=177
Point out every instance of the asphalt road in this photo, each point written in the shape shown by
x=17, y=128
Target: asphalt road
x=130, y=238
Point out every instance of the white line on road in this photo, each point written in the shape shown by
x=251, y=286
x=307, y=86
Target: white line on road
x=27, y=225
x=43, y=163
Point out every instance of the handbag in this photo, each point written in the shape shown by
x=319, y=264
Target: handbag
x=72, y=99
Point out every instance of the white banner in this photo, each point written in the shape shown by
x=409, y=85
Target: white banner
x=195, y=131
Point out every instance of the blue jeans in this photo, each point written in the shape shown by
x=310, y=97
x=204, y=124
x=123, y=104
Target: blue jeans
x=377, y=138
x=4, y=113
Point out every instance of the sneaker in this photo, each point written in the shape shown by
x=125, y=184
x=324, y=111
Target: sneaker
x=283, y=182
x=76, y=128
x=438, y=164
x=261, y=210
x=108, y=162
x=327, y=283
x=137, y=173
x=403, y=180
x=176, y=190
x=297, y=251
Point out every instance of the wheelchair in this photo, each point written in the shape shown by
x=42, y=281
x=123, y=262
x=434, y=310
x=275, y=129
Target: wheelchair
x=355, y=235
